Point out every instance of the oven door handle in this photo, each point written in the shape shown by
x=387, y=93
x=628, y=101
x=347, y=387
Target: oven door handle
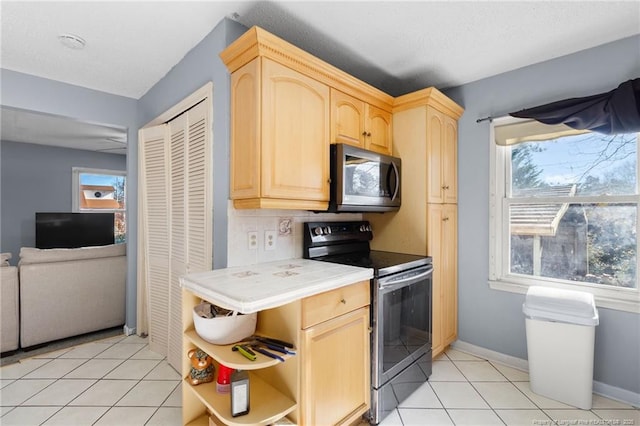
x=391, y=284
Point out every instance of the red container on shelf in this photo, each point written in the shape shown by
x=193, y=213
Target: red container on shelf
x=223, y=384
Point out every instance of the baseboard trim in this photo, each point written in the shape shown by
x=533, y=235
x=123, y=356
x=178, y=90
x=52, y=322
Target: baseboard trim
x=602, y=389
x=128, y=331
x=618, y=394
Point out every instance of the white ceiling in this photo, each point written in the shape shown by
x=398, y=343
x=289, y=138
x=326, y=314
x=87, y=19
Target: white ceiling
x=46, y=129
x=395, y=46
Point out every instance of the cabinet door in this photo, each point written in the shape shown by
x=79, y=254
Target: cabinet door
x=450, y=160
x=435, y=129
x=442, y=157
x=435, y=238
x=336, y=369
x=295, y=135
x=449, y=264
x=378, y=128
x=347, y=119
x=442, y=240
x=245, y=134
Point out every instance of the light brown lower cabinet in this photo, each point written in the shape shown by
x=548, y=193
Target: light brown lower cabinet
x=335, y=377
x=442, y=237
x=326, y=383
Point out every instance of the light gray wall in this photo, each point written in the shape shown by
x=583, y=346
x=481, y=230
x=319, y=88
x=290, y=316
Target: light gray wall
x=37, y=178
x=201, y=65
x=493, y=319
x=53, y=97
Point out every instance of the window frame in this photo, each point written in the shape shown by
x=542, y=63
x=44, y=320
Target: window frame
x=75, y=185
x=500, y=278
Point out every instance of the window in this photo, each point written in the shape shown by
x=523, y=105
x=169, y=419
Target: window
x=96, y=190
x=564, y=211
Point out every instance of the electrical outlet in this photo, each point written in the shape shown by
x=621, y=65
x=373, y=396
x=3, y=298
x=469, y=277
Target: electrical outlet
x=252, y=240
x=270, y=240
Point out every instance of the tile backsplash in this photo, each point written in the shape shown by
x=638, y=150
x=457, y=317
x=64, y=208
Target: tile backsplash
x=281, y=228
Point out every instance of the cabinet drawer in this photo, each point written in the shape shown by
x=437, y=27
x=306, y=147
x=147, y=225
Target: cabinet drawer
x=324, y=306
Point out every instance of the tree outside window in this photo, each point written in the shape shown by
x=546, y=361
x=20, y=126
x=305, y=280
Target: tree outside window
x=573, y=209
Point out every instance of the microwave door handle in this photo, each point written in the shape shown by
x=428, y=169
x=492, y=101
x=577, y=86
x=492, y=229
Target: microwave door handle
x=388, y=181
x=397, y=173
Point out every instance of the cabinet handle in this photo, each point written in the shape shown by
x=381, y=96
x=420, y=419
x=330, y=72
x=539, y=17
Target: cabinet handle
x=368, y=134
x=344, y=302
x=444, y=219
x=364, y=133
x=445, y=187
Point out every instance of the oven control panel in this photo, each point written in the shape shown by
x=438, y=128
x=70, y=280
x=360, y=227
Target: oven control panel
x=320, y=233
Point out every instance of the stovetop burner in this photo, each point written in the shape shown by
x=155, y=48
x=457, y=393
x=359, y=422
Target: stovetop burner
x=382, y=262
x=347, y=243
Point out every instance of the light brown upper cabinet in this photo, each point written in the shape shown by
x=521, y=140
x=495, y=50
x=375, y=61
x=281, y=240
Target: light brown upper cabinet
x=442, y=155
x=282, y=116
x=355, y=122
x=279, y=138
x=379, y=130
x=347, y=119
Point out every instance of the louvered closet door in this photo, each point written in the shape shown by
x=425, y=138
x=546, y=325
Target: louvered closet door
x=191, y=215
x=154, y=180
x=177, y=214
x=199, y=191
x=177, y=201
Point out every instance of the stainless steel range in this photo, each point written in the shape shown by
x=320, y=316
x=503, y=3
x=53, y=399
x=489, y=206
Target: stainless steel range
x=401, y=304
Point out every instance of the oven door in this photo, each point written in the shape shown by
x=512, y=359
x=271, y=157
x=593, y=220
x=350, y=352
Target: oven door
x=401, y=322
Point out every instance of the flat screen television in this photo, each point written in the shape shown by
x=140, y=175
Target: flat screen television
x=73, y=230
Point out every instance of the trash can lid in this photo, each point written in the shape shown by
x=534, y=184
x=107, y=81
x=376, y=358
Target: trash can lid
x=553, y=304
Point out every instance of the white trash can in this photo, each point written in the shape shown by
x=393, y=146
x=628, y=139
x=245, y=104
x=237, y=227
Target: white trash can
x=560, y=327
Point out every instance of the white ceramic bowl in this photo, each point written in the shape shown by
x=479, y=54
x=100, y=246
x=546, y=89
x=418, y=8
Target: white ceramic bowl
x=225, y=330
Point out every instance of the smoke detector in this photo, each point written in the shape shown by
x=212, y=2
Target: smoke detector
x=72, y=41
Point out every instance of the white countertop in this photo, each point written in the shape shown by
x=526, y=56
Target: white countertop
x=252, y=288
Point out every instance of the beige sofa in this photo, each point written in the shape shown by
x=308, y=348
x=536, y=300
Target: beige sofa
x=67, y=292
x=9, y=318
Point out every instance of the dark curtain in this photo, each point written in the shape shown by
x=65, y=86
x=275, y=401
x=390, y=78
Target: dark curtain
x=617, y=111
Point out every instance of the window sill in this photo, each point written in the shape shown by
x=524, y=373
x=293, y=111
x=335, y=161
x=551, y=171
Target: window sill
x=617, y=299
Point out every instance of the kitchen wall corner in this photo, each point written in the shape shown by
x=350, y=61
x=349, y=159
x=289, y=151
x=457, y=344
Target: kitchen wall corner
x=287, y=245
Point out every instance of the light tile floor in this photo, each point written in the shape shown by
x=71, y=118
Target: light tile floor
x=116, y=381
x=467, y=390
x=119, y=381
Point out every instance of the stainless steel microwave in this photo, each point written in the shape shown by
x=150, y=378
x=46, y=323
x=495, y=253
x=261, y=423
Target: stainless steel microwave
x=363, y=181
